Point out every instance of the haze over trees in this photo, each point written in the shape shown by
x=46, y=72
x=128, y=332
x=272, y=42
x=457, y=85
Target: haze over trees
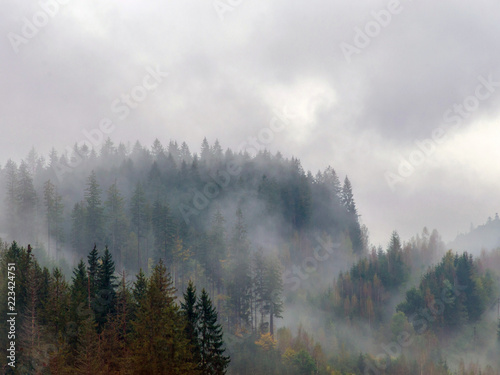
x=163, y=261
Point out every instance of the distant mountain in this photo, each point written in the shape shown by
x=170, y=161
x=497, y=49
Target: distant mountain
x=486, y=236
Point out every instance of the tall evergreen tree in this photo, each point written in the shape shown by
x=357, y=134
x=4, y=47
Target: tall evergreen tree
x=239, y=282
x=93, y=273
x=159, y=343
x=191, y=314
x=139, y=217
x=11, y=206
x=211, y=344
x=54, y=215
x=106, y=285
x=118, y=222
x=79, y=293
x=273, y=289
x=164, y=230
x=140, y=287
x=27, y=201
x=94, y=211
x=354, y=227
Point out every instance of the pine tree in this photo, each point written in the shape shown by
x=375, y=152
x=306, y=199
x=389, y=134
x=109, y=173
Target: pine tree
x=94, y=218
x=159, y=345
x=80, y=304
x=30, y=335
x=106, y=284
x=93, y=269
x=139, y=217
x=206, y=152
x=89, y=359
x=215, y=250
x=258, y=281
x=157, y=149
x=354, y=227
x=190, y=312
x=118, y=222
x=212, y=358
x=273, y=288
x=11, y=206
x=239, y=283
x=163, y=230
x=54, y=215
x=26, y=200
x=58, y=302
x=140, y=287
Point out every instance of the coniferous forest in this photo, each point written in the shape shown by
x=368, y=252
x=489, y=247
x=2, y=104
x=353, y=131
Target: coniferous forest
x=133, y=259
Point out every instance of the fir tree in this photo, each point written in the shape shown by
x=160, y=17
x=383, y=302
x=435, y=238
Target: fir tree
x=140, y=287
x=190, y=312
x=93, y=269
x=118, y=222
x=212, y=358
x=159, y=344
x=273, y=288
x=139, y=217
x=94, y=217
x=106, y=284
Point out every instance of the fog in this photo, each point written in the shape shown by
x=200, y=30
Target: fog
x=400, y=96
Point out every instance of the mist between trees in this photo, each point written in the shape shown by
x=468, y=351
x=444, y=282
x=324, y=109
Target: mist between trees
x=275, y=266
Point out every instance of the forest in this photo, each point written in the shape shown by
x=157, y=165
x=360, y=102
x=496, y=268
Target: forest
x=159, y=260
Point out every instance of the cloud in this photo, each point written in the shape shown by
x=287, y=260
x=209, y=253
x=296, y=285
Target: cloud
x=227, y=77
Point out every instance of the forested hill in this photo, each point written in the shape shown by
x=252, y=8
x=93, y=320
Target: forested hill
x=142, y=202
x=485, y=236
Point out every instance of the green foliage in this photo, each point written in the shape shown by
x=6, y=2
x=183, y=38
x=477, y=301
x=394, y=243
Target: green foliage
x=452, y=293
x=211, y=345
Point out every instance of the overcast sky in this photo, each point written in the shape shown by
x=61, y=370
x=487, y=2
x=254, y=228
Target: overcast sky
x=360, y=83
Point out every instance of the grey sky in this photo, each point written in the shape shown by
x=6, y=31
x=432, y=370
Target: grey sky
x=231, y=66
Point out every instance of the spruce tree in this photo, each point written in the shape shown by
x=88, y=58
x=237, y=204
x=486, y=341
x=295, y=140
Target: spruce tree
x=106, y=285
x=27, y=201
x=354, y=227
x=118, y=222
x=80, y=304
x=163, y=230
x=139, y=217
x=10, y=176
x=211, y=344
x=94, y=218
x=190, y=312
x=93, y=269
x=140, y=287
x=273, y=289
x=159, y=344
